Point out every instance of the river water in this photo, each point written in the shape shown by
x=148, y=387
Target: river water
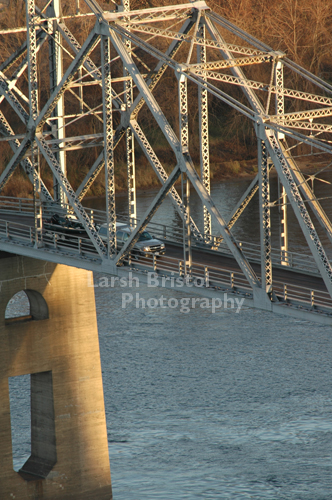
x=202, y=405
x=226, y=195
x=214, y=406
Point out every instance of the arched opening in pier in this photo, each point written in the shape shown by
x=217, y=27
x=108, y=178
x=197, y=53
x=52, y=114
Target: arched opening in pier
x=31, y=397
x=26, y=305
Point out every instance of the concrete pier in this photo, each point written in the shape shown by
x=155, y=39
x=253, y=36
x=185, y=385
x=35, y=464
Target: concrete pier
x=57, y=344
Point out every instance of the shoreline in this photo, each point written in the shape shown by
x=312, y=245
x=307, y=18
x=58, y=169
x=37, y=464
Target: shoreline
x=227, y=171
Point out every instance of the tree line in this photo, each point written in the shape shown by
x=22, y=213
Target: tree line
x=300, y=28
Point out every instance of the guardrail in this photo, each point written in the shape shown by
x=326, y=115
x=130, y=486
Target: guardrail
x=9, y=204
x=203, y=276
x=234, y=282
x=293, y=260
x=51, y=240
x=174, y=234
x=294, y=294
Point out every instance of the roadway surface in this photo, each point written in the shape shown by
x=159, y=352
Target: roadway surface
x=215, y=259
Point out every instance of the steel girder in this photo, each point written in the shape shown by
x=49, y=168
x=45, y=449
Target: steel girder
x=33, y=113
x=133, y=238
x=108, y=147
x=291, y=93
x=26, y=163
x=161, y=67
x=162, y=175
x=72, y=198
x=184, y=160
x=308, y=194
x=264, y=172
x=89, y=65
x=140, y=136
x=37, y=121
x=280, y=110
x=185, y=184
x=207, y=43
x=5, y=127
x=56, y=70
x=15, y=160
x=130, y=145
x=32, y=60
x=284, y=259
x=91, y=176
x=265, y=217
x=12, y=100
x=203, y=114
x=285, y=174
x=131, y=31
x=89, y=44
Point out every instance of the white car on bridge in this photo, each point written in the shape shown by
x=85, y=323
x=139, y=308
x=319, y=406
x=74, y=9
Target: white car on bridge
x=146, y=245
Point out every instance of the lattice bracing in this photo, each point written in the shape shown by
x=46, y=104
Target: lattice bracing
x=32, y=59
x=109, y=147
x=265, y=218
x=130, y=145
x=124, y=84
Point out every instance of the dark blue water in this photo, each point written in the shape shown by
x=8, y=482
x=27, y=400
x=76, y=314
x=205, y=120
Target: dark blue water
x=215, y=406
x=208, y=406
x=212, y=406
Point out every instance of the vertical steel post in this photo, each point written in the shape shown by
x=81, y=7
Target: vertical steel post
x=187, y=253
x=185, y=183
x=56, y=72
x=80, y=90
x=280, y=110
x=183, y=114
x=33, y=113
x=32, y=60
x=206, y=276
x=312, y=298
x=265, y=221
x=283, y=228
x=203, y=114
x=108, y=146
x=130, y=143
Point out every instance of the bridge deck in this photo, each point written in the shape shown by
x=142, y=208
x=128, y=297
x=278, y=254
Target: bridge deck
x=292, y=286
x=216, y=259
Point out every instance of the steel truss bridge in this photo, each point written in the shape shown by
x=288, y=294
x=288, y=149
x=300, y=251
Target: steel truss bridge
x=126, y=57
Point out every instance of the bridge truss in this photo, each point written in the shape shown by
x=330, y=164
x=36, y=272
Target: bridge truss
x=120, y=63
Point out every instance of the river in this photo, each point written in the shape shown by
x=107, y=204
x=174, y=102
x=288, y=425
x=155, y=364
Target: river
x=215, y=406
x=202, y=405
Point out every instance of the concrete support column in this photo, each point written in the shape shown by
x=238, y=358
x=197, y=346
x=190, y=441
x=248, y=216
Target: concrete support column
x=57, y=344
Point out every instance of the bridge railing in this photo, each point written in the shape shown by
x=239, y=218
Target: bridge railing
x=290, y=259
x=234, y=282
x=252, y=251
x=51, y=240
x=17, y=231
x=10, y=204
x=171, y=233
x=294, y=294
x=201, y=275
x=75, y=245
